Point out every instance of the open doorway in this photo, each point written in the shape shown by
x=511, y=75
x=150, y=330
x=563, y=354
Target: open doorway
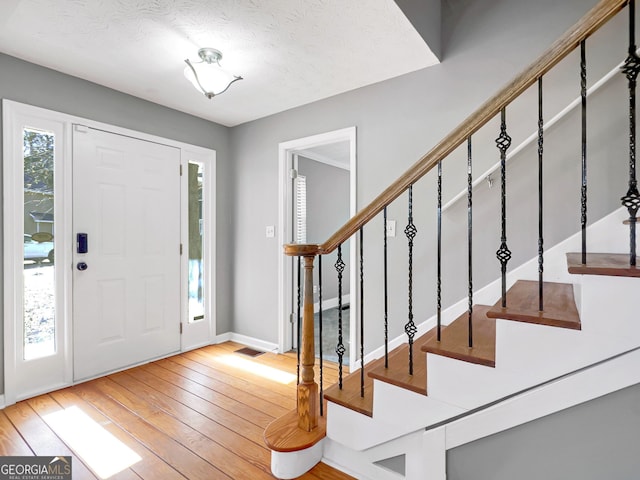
x=324, y=167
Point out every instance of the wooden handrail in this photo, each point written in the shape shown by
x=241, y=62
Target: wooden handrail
x=592, y=21
x=286, y=434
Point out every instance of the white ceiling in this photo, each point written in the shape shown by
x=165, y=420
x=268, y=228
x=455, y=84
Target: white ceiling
x=290, y=52
x=336, y=154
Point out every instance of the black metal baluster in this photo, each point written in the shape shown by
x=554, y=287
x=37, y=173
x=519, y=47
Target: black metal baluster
x=386, y=296
x=340, y=346
x=540, y=203
x=503, y=142
x=583, y=189
x=410, y=231
x=361, y=312
x=320, y=334
x=299, y=314
x=439, y=259
x=631, y=69
x=470, y=238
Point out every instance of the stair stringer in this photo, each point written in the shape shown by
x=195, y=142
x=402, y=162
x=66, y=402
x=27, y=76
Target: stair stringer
x=456, y=386
x=588, y=384
x=423, y=451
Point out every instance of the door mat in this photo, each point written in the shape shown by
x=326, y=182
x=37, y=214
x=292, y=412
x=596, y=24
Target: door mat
x=250, y=352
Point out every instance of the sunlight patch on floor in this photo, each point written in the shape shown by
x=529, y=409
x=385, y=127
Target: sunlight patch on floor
x=98, y=449
x=264, y=371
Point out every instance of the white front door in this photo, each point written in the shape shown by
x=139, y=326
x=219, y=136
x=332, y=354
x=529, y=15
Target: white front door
x=126, y=287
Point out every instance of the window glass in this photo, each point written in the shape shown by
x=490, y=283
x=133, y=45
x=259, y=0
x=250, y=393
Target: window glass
x=38, y=248
x=196, y=243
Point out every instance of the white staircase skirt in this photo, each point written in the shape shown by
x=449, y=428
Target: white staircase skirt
x=287, y=465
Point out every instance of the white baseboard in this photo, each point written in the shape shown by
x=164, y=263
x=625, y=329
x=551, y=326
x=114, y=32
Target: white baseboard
x=2, y=405
x=331, y=303
x=248, y=341
x=198, y=345
x=223, y=337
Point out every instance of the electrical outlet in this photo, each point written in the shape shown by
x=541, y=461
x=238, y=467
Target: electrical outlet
x=271, y=231
x=391, y=228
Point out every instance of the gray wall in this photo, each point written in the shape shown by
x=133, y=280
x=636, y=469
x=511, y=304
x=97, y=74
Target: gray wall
x=28, y=83
x=425, y=18
x=327, y=210
x=593, y=441
x=484, y=45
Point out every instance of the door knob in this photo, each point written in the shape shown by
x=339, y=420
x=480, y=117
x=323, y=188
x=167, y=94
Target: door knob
x=82, y=266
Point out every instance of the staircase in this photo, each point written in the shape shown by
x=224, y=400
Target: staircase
x=526, y=345
x=531, y=361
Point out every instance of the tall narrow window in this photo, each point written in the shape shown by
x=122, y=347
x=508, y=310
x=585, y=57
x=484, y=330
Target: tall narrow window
x=196, y=243
x=38, y=251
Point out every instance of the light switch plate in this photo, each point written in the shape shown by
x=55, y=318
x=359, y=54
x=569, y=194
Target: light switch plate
x=271, y=231
x=391, y=228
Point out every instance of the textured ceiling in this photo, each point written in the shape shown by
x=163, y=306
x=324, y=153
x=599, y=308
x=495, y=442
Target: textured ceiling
x=290, y=52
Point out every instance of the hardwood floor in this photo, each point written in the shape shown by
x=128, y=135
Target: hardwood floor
x=197, y=415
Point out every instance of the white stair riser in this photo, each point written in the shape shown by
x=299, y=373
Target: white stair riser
x=396, y=412
x=608, y=327
x=355, y=430
x=409, y=408
x=542, y=352
x=359, y=432
x=529, y=354
x=468, y=385
x=619, y=315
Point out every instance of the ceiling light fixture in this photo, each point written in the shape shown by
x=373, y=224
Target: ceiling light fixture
x=207, y=75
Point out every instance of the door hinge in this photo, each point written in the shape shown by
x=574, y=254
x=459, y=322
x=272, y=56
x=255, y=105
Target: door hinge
x=291, y=318
x=293, y=173
x=180, y=169
x=180, y=249
x=180, y=328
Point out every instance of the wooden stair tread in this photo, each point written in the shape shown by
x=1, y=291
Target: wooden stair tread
x=612, y=264
x=398, y=371
x=455, y=339
x=522, y=305
x=284, y=435
x=349, y=396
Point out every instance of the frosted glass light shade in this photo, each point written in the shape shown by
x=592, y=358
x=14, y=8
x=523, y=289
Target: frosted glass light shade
x=208, y=76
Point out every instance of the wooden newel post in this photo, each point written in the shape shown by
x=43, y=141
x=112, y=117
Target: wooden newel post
x=307, y=388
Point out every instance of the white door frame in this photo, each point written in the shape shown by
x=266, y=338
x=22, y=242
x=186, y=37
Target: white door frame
x=200, y=333
x=14, y=113
x=286, y=152
x=15, y=117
